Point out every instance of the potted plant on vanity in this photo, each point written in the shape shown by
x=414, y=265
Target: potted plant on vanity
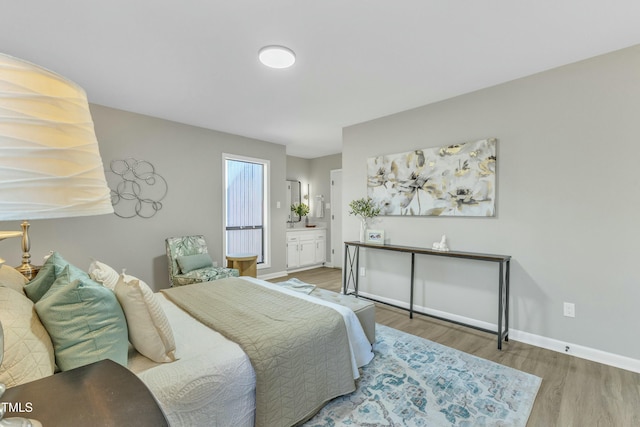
x=302, y=210
x=364, y=209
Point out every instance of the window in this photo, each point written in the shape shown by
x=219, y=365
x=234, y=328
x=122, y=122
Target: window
x=246, y=204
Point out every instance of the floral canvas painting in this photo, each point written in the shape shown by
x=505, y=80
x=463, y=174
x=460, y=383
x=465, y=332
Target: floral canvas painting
x=454, y=180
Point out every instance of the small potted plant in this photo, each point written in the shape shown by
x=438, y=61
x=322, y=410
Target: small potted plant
x=300, y=209
x=364, y=209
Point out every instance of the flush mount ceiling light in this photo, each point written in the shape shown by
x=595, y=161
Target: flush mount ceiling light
x=277, y=56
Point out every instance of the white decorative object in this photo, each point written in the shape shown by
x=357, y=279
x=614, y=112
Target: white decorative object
x=441, y=245
x=363, y=230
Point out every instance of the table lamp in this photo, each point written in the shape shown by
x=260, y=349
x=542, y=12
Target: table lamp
x=50, y=165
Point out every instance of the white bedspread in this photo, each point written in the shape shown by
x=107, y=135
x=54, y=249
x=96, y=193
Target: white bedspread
x=213, y=382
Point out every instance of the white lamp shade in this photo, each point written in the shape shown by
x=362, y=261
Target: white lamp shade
x=50, y=165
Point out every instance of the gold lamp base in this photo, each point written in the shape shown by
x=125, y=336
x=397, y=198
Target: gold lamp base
x=29, y=271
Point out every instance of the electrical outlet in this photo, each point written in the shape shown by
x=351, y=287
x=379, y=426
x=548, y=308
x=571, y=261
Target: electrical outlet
x=569, y=309
x=363, y=271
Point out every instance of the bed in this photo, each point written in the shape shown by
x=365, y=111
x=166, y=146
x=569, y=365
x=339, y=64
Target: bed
x=225, y=395
x=212, y=380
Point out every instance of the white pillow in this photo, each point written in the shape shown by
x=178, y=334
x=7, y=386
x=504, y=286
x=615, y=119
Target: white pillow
x=12, y=278
x=103, y=274
x=149, y=329
x=28, y=352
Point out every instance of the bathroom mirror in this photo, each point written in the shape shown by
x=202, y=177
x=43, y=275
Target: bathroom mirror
x=293, y=197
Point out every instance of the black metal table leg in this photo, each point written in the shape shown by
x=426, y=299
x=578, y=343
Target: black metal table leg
x=349, y=276
x=355, y=282
x=500, y=305
x=506, y=304
x=345, y=274
x=413, y=263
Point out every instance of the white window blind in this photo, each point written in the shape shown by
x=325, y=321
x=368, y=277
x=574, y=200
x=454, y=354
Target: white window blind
x=245, y=207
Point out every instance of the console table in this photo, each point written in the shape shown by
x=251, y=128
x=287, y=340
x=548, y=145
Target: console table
x=352, y=267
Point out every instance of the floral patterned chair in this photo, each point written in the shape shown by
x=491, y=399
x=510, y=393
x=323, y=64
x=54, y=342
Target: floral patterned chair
x=187, y=265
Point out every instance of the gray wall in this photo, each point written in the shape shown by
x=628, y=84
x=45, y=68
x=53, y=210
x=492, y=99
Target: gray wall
x=190, y=159
x=567, y=204
x=316, y=173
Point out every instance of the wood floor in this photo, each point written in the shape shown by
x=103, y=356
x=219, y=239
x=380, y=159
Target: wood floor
x=574, y=391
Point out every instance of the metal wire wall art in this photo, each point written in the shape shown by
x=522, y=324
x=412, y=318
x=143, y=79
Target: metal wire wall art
x=136, y=188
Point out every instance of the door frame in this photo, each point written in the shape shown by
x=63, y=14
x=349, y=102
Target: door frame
x=335, y=176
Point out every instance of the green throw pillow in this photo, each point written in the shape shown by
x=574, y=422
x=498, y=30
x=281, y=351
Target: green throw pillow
x=39, y=285
x=85, y=322
x=51, y=269
x=60, y=263
x=189, y=263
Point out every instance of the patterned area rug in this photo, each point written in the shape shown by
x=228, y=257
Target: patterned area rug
x=416, y=382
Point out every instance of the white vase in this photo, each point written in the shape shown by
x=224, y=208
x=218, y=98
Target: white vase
x=363, y=230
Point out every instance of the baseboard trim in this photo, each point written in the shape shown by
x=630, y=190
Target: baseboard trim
x=583, y=352
x=307, y=267
x=272, y=275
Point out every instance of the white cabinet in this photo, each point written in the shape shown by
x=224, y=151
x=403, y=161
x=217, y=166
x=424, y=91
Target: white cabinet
x=307, y=255
x=293, y=260
x=321, y=247
x=306, y=248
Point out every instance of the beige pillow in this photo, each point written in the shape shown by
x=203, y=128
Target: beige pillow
x=149, y=329
x=12, y=278
x=103, y=274
x=28, y=352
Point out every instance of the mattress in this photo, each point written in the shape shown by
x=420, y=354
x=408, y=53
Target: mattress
x=213, y=382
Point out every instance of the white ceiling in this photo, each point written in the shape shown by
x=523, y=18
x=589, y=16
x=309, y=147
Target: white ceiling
x=195, y=61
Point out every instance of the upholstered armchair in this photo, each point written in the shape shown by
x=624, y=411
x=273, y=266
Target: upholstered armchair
x=189, y=262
